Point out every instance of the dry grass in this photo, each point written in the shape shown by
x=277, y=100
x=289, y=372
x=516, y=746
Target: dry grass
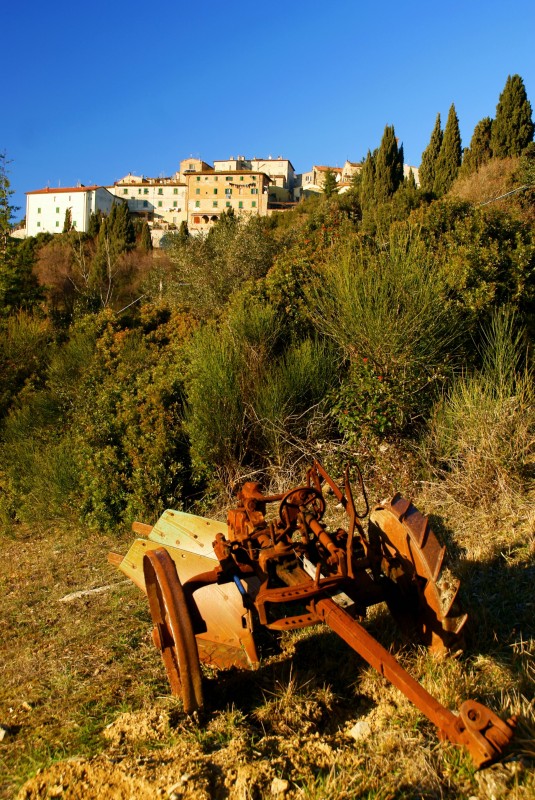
x=82, y=680
x=493, y=179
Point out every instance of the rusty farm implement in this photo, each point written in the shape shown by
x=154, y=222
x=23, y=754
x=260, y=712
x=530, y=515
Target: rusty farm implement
x=211, y=586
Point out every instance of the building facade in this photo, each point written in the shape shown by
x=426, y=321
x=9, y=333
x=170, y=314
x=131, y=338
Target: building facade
x=211, y=193
x=46, y=208
x=161, y=201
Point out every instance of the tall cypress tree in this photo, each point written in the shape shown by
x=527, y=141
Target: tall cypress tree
x=367, y=181
x=512, y=129
x=429, y=158
x=67, y=223
x=388, y=166
x=480, y=150
x=450, y=156
x=329, y=183
x=146, y=239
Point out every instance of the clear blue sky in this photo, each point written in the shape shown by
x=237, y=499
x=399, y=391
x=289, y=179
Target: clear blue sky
x=93, y=91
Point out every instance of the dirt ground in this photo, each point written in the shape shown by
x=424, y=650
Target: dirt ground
x=86, y=713
x=275, y=766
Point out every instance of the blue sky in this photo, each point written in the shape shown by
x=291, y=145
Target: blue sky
x=97, y=90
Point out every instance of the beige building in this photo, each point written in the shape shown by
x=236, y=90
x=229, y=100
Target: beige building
x=312, y=182
x=211, y=193
x=188, y=165
x=161, y=201
x=280, y=171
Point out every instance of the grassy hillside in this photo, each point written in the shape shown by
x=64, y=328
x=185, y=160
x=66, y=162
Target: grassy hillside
x=399, y=336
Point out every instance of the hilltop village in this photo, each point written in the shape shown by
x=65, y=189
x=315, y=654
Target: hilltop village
x=197, y=194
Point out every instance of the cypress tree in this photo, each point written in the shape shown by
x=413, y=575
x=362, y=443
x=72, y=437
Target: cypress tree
x=6, y=209
x=121, y=228
x=410, y=181
x=450, y=156
x=480, y=150
x=146, y=239
x=183, y=232
x=429, y=158
x=67, y=223
x=388, y=166
x=367, y=181
x=512, y=129
x=329, y=183
x=94, y=224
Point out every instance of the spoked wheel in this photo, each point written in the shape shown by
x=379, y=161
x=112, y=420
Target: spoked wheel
x=423, y=594
x=305, y=497
x=173, y=633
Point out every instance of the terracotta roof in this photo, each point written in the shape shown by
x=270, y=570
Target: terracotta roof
x=332, y=169
x=62, y=189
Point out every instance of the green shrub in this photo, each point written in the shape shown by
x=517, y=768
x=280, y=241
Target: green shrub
x=385, y=309
x=103, y=440
x=24, y=341
x=289, y=403
x=207, y=270
x=251, y=394
x=481, y=437
x=216, y=420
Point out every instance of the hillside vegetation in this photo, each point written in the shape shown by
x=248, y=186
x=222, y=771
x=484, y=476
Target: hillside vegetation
x=394, y=329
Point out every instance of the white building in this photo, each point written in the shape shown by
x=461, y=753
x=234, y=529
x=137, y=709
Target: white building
x=46, y=208
x=162, y=201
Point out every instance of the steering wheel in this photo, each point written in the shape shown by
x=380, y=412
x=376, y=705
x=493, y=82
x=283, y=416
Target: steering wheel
x=294, y=500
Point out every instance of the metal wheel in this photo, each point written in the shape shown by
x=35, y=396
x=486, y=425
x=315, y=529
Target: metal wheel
x=422, y=596
x=306, y=496
x=173, y=633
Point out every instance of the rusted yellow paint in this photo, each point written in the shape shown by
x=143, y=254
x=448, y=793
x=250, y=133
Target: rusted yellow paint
x=188, y=540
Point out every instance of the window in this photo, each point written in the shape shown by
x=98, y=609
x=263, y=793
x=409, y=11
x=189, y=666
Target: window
x=175, y=191
x=74, y=223
x=39, y=224
x=175, y=203
x=198, y=177
x=253, y=177
x=38, y=210
x=57, y=224
x=139, y=191
x=159, y=204
x=228, y=178
x=191, y=166
x=240, y=204
x=228, y=192
x=241, y=177
x=216, y=178
x=215, y=191
x=253, y=204
x=145, y=204
x=57, y=209
x=145, y=191
x=254, y=191
x=197, y=191
x=214, y=203
x=197, y=203
x=125, y=191
x=228, y=204
x=160, y=191
x=196, y=220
